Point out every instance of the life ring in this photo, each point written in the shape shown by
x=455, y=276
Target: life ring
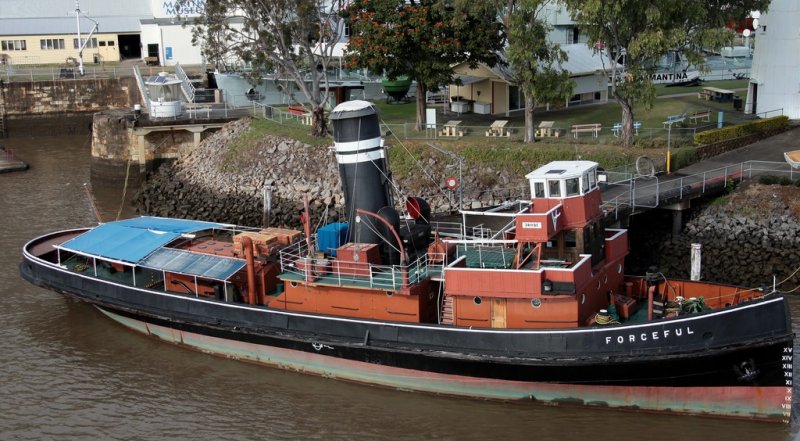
x=451, y=182
x=645, y=167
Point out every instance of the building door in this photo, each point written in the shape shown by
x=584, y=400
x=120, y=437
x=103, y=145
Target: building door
x=130, y=46
x=498, y=313
x=152, y=51
x=755, y=98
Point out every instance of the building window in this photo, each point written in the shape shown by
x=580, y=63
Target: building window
x=89, y=43
x=51, y=43
x=111, y=43
x=14, y=45
x=346, y=29
x=102, y=44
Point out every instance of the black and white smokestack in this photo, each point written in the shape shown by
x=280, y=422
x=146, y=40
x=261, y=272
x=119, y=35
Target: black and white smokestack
x=362, y=166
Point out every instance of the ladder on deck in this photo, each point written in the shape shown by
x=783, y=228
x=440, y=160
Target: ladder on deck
x=447, y=311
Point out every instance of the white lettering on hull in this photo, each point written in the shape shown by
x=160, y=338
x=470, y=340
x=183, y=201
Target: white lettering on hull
x=650, y=336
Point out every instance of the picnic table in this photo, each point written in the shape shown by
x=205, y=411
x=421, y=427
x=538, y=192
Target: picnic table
x=498, y=128
x=450, y=128
x=546, y=129
x=717, y=94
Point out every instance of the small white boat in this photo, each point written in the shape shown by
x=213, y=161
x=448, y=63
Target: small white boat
x=793, y=158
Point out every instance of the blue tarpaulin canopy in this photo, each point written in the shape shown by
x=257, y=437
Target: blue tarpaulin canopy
x=132, y=240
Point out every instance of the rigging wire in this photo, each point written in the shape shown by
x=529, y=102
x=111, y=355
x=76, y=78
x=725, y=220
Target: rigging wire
x=419, y=163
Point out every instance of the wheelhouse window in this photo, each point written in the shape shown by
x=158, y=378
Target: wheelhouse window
x=554, y=188
x=585, y=183
x=573, y=187
x=592, y=179
x=538, y=189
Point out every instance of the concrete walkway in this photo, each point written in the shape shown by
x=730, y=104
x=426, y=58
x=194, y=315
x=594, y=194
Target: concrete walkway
x=693, y=180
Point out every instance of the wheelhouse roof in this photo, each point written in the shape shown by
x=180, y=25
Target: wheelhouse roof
x=132, y=240
x=562, y=170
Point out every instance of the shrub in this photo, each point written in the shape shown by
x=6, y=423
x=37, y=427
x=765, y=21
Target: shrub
x=749, y=128
x=682, y=157
x=773, y=180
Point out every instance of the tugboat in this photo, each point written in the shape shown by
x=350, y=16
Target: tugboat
x=539, y=310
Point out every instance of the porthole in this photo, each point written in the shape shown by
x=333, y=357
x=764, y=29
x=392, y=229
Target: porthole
x=536, y=302
x=389, y=293
x=605, y=278
x=293, y=284
x=619, y=268
x=598, y=284
x=583, y=298
x=477, y=300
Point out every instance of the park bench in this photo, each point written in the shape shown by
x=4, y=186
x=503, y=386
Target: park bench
x=301, y=114
x=594, y=129
x=704, y=115
x=672, y=119
x=617, y=128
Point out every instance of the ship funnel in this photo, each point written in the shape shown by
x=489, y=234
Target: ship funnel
x=362, y=166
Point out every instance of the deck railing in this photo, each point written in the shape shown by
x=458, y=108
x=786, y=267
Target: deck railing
x=298, y=262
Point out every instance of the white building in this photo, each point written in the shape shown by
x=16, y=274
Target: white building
x=167, y=36
x=775, y=76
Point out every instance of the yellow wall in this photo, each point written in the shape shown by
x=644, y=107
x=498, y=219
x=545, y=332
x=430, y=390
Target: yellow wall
x=35, y=55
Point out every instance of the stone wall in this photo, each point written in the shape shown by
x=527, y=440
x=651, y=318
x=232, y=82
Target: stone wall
x=70, y=96
x=755, y=236
x=220, y=181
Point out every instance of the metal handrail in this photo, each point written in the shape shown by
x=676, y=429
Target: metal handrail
x=683, y=185
x=142, y=88
x=186, y=85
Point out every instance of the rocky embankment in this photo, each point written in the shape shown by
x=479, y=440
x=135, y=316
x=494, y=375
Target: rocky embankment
x=746, y=241
x=223, y=181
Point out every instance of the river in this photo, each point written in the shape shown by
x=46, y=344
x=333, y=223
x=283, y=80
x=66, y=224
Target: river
x=66, y=372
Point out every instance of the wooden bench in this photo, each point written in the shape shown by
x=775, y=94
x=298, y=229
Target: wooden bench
x=151, y=61
x=704, y=115
x=594, y=129
x=301, y=114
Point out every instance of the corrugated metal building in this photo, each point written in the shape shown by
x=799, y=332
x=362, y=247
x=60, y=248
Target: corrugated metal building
x=45, y=31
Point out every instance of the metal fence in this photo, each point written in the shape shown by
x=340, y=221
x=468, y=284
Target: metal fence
x=660, y=190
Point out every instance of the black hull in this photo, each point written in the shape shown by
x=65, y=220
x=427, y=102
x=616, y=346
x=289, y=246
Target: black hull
x=742, y=347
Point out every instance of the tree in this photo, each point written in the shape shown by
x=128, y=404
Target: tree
x=535, y=61
x=422, y=40
x=292, y=39
x=646, y=30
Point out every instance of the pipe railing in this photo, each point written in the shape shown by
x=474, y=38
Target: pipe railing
x=651, y=193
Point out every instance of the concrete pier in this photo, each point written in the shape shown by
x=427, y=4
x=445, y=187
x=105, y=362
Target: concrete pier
x=122, y=144
x=9, y=162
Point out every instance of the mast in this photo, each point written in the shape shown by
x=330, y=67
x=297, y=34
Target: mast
x=80, y=45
